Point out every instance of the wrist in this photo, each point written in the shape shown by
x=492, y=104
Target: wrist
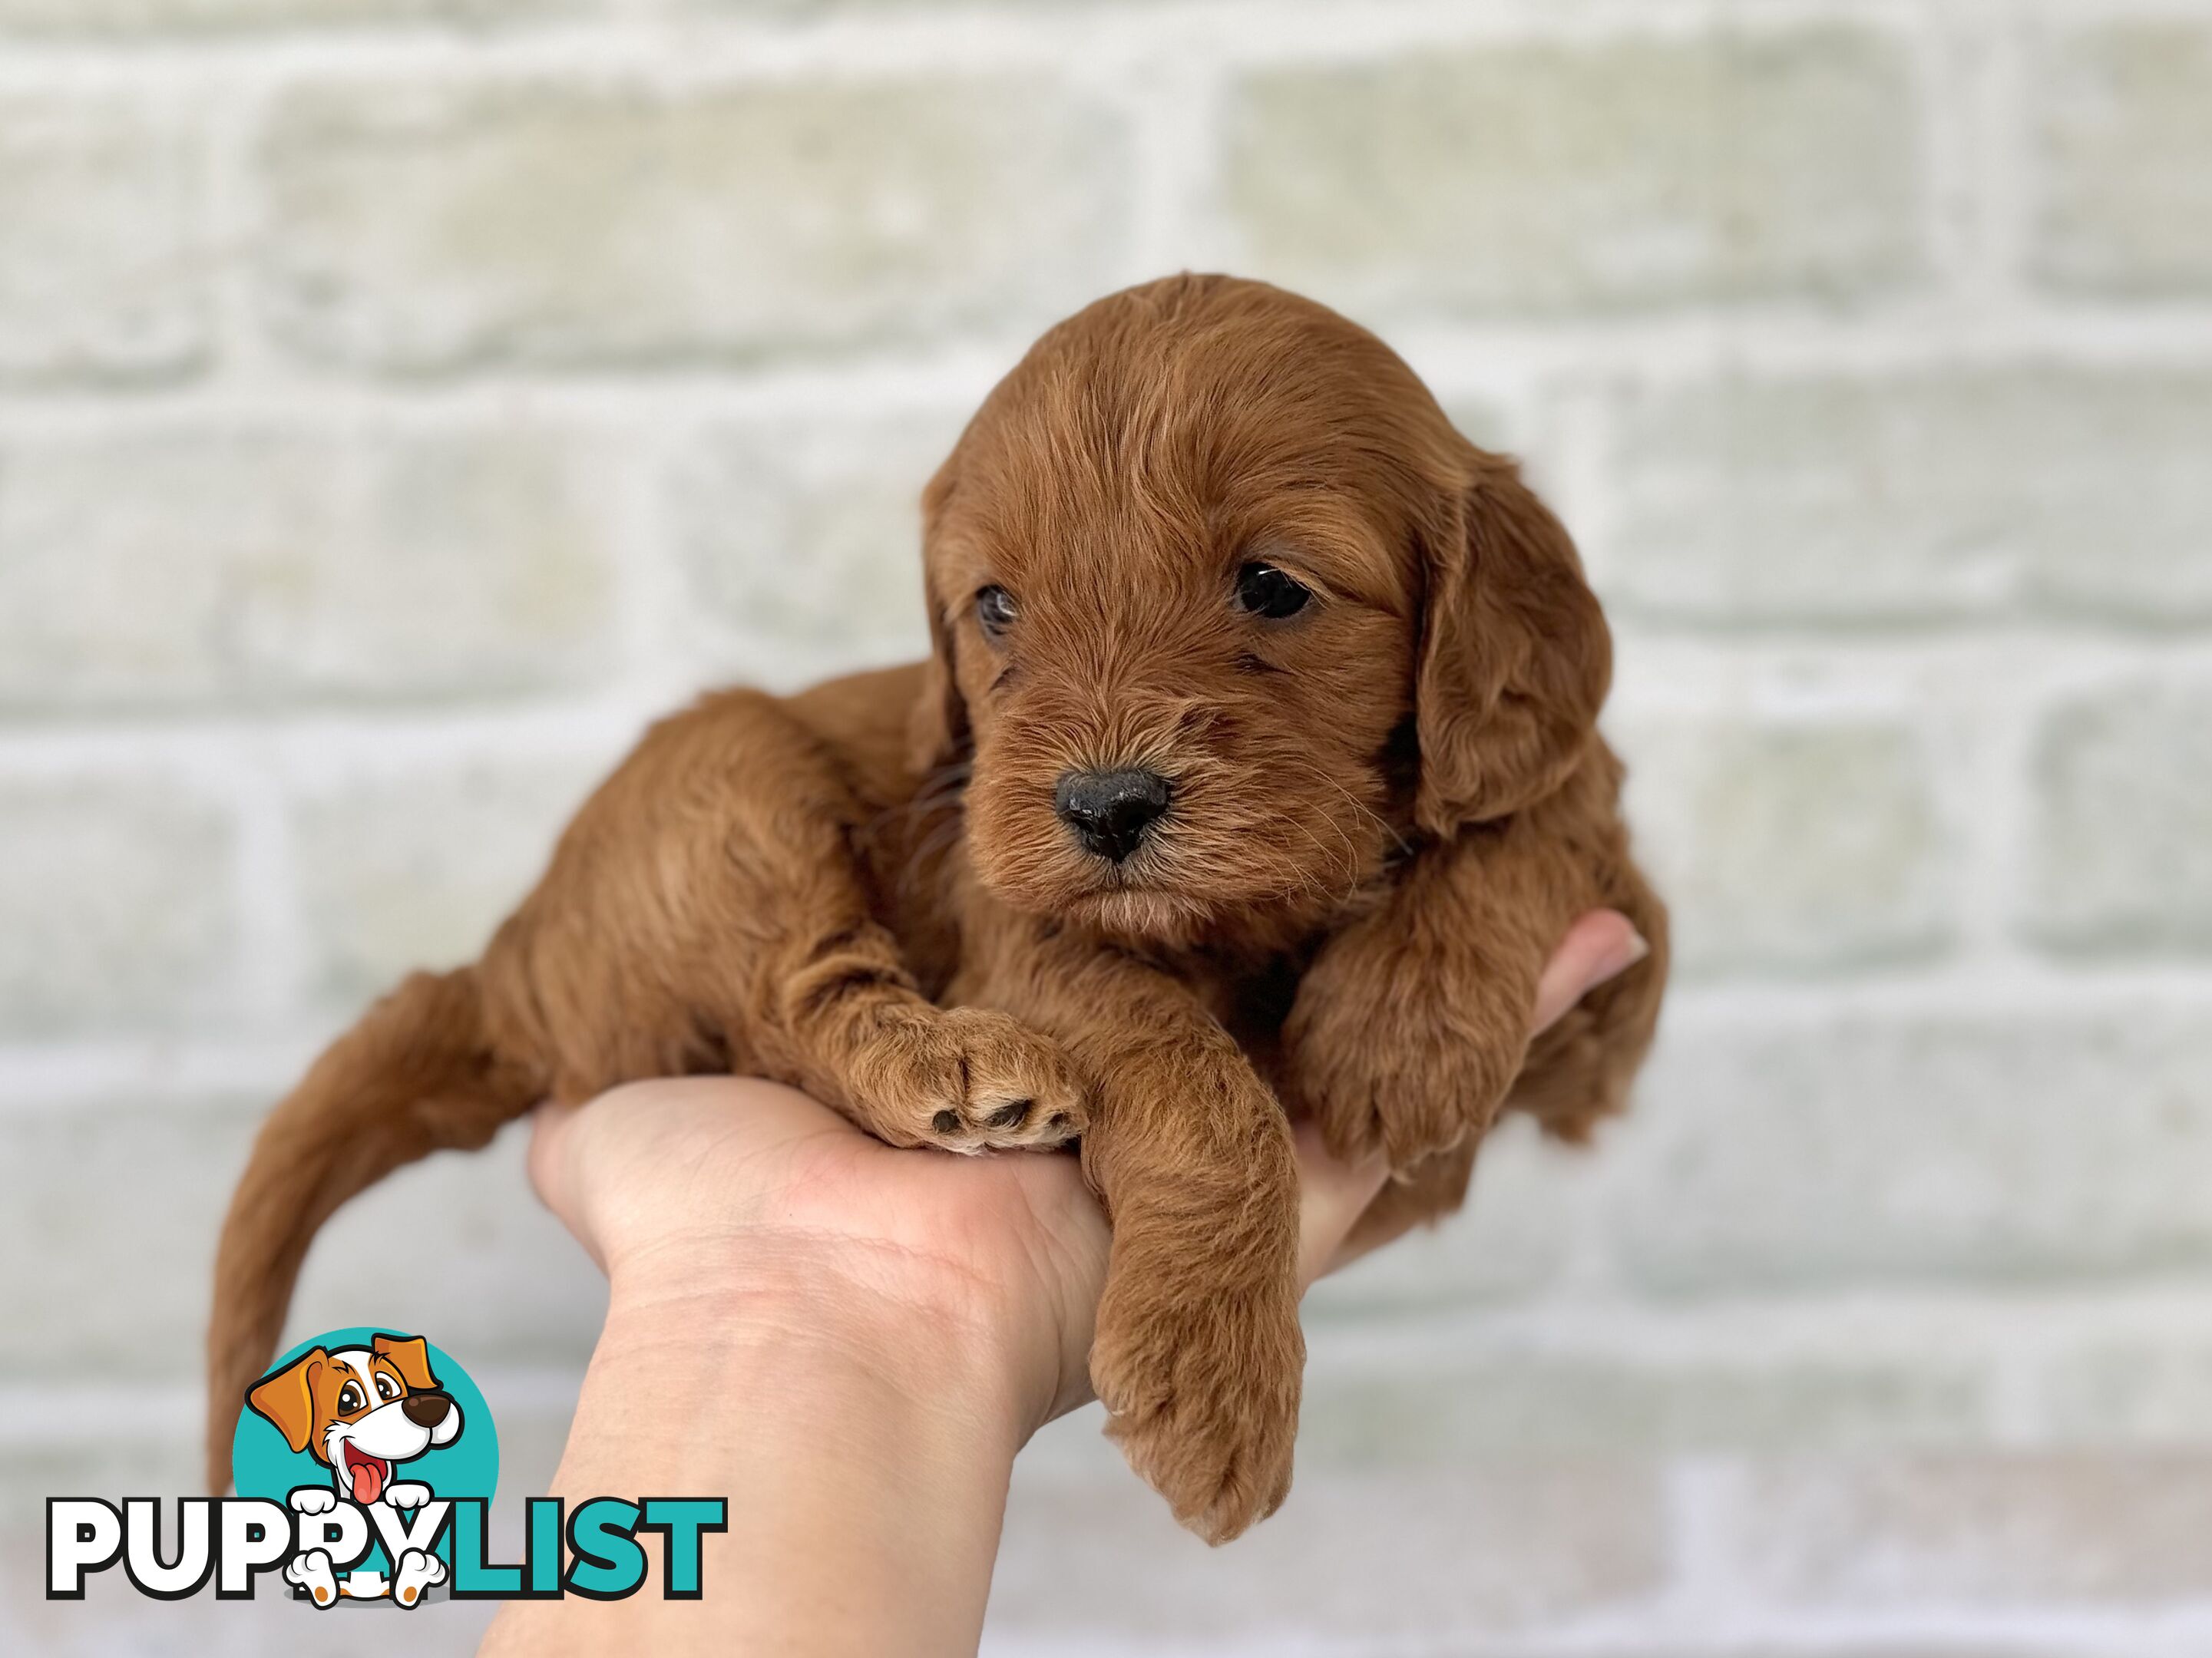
x=780, y=1320
x=863, y=1449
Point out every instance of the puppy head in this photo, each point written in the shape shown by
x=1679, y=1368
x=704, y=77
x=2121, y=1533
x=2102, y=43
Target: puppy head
x=1222, y=610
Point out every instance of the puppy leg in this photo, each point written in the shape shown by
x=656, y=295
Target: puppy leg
x=1422, y=1196
x=1411, y=1028
x=1411, y=1023
x=1198, y=1354
x=709, y=911
x=965, y=1079
x=1578, y=1072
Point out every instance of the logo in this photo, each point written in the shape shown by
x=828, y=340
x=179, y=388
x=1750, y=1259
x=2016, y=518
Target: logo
x=384, y=1424
x=366, y=1462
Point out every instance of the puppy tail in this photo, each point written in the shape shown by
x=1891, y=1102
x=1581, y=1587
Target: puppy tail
x=416, y=1075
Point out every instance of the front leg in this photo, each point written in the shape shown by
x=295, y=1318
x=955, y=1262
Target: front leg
x=1412, y=1021
x=706, y=911
x=1198, y=1355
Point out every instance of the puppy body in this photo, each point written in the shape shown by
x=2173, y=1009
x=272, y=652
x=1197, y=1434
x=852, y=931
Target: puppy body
x=1370, y=800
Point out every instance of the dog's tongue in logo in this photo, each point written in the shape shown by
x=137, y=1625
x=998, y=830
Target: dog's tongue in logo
x=368, y=1473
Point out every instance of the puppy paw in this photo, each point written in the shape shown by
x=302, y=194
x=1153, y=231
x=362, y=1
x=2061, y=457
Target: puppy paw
x=1404, y=1102
x=313, y=1572
x=1202, y=1396
x=312, y=1499
x=969, y=1080
x=418, y=1570
x=406, y=1494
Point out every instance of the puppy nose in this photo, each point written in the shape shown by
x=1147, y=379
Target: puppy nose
x=426, y=1409
x=1110, y=810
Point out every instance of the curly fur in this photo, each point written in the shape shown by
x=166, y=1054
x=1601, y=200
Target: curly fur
x=1386, y=811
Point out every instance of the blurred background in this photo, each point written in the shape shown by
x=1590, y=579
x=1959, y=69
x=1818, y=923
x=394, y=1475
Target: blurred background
x=401, y=400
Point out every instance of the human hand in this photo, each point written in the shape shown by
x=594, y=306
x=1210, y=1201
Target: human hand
x=720, y=1197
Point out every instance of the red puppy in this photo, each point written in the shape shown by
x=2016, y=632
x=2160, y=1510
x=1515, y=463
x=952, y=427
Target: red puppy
x=1254, y=772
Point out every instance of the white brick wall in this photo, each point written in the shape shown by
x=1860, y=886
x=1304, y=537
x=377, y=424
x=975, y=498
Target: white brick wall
x=400, y=400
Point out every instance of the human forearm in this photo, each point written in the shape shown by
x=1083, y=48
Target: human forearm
x=864, y=1447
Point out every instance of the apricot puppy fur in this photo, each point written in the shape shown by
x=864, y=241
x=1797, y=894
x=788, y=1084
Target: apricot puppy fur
x=1253, y=773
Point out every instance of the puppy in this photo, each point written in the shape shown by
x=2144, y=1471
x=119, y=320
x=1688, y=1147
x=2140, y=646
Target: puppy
x=359, y=1412
x=1253, y=774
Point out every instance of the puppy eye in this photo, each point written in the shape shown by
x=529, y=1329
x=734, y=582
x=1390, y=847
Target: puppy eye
x=349, y=1397
x=996, y=609
x=387, y=1388
x=1265, y=590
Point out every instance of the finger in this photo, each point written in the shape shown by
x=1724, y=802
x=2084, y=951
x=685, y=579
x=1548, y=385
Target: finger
x=1332, y=1196
x=1600, y=944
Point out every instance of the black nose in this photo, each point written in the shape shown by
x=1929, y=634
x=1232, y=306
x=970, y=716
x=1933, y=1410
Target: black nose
x=426, y=1409
x=1110, y=810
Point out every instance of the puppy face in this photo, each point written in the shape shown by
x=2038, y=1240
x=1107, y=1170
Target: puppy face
x=1224, y=612
x=360, y=1410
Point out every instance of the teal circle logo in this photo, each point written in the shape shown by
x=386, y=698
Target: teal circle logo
x=379, y=1420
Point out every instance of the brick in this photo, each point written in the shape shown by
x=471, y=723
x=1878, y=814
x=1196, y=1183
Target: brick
x=464, y=1248
x=1790, y=846
x=118, y=906
x=1355, y=1558
x=416, y=869
x=2123, y=138
x=127, y=18
x=2151, y=1385
x=1406, y=1407
x=1783, y=1156
x=428, y=228
x=102, y=275
x=2003, y=1529
x=101, y=1303
x=1545, y=178
x=800, y=543
x=260, y=564
x=1934, y=495
x=2122, y=840
x=1511, y=1239
x=839, y=8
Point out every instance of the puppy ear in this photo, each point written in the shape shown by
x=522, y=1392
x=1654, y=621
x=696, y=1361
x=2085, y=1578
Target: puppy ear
x=937, y=732
x=1515, y=658
x=288, y=1398
x=410, y=1357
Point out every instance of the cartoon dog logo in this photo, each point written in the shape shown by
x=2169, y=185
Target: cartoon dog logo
x=360, y=1411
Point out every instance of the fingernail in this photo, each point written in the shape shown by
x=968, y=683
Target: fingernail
x=1633, y=951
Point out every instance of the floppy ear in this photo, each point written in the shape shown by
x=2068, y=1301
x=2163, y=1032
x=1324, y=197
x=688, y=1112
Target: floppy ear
x=1515, y=658
x=410, y=1357
x=937, y=730
x=288, y=1398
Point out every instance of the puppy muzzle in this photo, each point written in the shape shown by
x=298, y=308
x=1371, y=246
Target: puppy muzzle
x=1111, y=811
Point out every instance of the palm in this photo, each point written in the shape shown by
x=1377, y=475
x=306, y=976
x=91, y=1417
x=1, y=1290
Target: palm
x=711, y=1170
